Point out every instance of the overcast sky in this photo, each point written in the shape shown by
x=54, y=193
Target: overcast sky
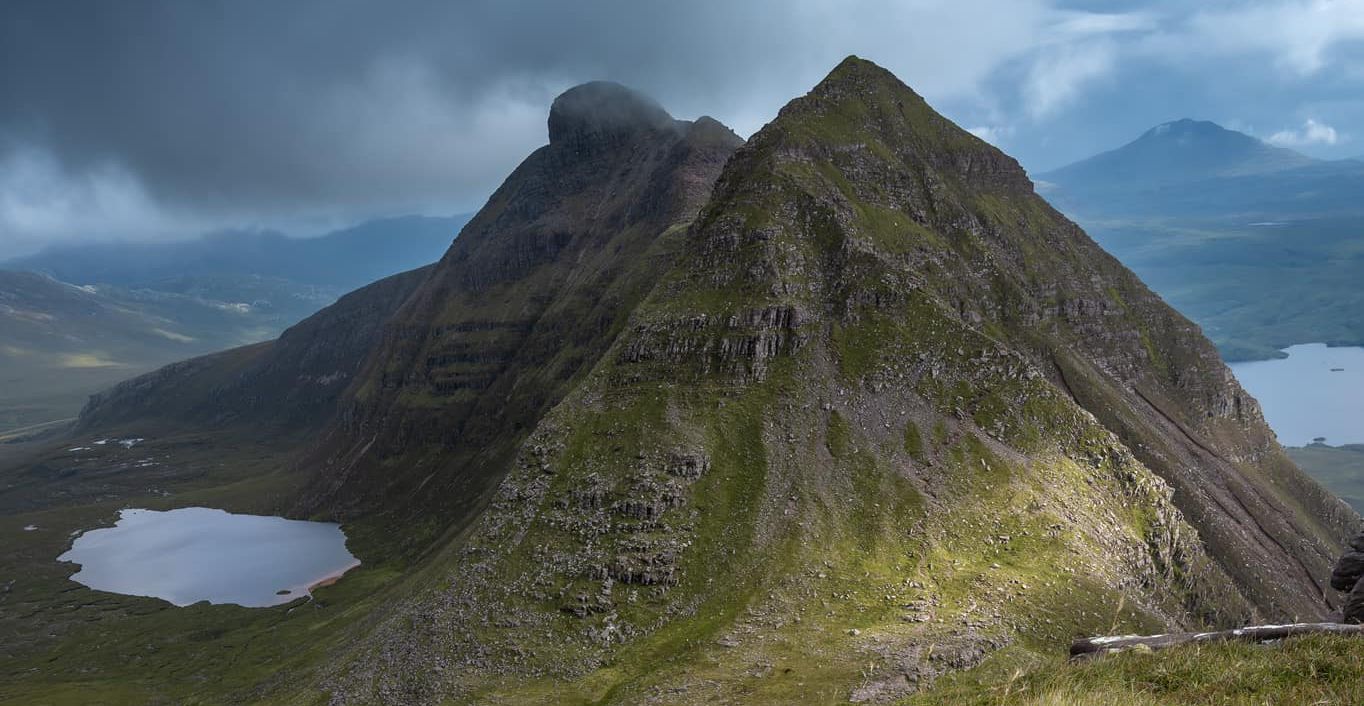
x=155, y=120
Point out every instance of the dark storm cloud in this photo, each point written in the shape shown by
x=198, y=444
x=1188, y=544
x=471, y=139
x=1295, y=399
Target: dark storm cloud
x=156, y=119
x=148, y=118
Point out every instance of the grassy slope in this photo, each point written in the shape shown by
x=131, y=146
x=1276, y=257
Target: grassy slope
x=66, y=644
x=1307, y=670
x=999, y=554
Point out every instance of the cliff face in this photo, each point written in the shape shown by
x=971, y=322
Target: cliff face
x=526, y=300
x=884, y=404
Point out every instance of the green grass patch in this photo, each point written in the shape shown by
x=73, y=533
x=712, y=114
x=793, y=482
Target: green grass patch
x=1306, y=670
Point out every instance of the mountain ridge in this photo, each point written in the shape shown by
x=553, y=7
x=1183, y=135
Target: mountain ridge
x=176, y=300
x=1198, y=169
x=347, y=258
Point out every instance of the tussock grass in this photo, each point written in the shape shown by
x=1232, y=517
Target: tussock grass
x=1317, y=669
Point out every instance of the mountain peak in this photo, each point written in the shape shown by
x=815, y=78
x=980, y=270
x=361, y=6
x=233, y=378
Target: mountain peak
x=1178, y=151
x=1187, y=125
x=604, y=110
x=855, y=68
x=855, y=77
x=862, y=108
x=1188, y=130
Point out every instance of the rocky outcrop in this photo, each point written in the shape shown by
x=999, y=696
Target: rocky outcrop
x=603, y=115
x=1348, y=576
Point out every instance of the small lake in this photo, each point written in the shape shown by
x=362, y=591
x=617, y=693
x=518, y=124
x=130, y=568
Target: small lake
x=200, y=554
x=1315, y=392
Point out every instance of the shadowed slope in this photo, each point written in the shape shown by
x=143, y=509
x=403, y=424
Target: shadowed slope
x=526, y=300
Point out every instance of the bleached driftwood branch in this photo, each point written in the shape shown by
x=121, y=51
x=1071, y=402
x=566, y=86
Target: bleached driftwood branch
x=1256, y=633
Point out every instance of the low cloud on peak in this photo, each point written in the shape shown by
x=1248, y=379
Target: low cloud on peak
x=1311, y=133
x=161, y=119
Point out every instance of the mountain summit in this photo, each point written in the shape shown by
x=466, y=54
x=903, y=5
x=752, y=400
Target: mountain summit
x=602, y=110
x=830, y=412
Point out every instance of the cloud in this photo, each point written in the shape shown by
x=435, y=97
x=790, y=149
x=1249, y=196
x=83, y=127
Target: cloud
x=1060, y=74
x=228, y=112
x=1078, y=24
x=1311, y=133
x=1300, y=35
x=993, y=134
x=40, y=202
x=161, y=118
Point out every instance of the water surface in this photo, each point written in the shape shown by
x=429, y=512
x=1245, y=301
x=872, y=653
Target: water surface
x=1315, y=392
x=200, y=554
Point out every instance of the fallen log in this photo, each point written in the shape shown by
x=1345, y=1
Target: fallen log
x=1092, y=646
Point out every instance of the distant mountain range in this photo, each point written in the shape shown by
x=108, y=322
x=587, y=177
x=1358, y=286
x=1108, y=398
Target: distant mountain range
x=75, y=319
x=342, y=260
x=1199, y=168
x=1178, y=152
x=1261, y=245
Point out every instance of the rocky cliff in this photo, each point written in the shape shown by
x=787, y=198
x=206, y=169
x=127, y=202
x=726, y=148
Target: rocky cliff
x=526, y=301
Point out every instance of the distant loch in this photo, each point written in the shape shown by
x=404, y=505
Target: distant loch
x=1317, y=392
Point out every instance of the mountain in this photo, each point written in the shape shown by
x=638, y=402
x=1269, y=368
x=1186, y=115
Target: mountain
x=521, y=306
x=1257, y=244
x=343, y=259
x=141, y=306
x=1178, y=152
x=824, y=415
x=1195, y=170
x=62, y=342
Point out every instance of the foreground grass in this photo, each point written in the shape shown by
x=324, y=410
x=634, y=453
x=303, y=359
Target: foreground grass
x=1316, y=669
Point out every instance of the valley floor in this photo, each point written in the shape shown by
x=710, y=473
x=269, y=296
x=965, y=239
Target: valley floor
x=62, y=643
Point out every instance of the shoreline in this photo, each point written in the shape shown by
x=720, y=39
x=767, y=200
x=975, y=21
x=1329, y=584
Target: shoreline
x=331, y=578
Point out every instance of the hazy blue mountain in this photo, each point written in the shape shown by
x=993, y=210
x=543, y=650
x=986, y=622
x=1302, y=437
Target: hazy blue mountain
x=1260, y=245
x=1197, y=168
x=344, y=259
x=61, y=342
x=1178, y=152
x=77, y=319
